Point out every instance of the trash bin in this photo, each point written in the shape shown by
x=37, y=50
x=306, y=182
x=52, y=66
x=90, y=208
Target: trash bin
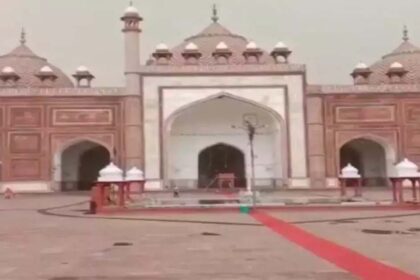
x=244, y=209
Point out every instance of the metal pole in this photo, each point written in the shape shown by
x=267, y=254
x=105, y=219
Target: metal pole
x=251, y=143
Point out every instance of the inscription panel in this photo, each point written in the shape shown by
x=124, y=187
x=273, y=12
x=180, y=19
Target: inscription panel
x=24, y=143
x=25, y=116
x=25, y=168
x=352, y=114
x=412, y=141
x=412, y=113
x=82, y=116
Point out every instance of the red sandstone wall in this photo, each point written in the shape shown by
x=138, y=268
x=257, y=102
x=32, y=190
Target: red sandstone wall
x=394, y=118
x=32, y=130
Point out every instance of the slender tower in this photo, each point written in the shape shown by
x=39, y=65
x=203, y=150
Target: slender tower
x=133, y=117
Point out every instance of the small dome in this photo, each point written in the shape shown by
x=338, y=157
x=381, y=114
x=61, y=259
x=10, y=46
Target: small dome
x=407, y=168
x=131, y=11
x=222, y=46
x=134, y=174
x=8, y=69
x=162, y=47
x=396, y=65
x=349, y=171
x=251, y=45
x=406, y=164
x=82, y=68
x=191, y=47
x=280, y=45
x=111, y=173
x=46, y=69
x=349, y=168
x=361, y=65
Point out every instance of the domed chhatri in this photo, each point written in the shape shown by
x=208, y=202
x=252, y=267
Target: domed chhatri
x=27, y=65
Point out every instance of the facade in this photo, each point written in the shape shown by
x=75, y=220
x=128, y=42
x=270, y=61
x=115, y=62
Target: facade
x=183, y=117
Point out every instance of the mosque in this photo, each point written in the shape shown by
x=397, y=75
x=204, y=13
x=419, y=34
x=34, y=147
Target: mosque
x=216, y=104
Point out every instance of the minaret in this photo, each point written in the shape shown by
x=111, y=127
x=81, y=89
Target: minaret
x=132, y=154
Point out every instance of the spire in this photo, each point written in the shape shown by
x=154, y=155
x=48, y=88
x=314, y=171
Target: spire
x=215, y=17
x=405, y=33
x=22, y=37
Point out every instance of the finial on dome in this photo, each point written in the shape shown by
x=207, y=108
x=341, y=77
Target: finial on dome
x=23, y=37
x=405, y=34
x=215, y=17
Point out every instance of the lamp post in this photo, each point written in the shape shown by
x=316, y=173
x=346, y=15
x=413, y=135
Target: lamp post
x=251, y=130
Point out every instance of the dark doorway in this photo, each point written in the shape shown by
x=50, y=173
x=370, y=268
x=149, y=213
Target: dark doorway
x=368, y=157
x=81, y=164
x=220, y=158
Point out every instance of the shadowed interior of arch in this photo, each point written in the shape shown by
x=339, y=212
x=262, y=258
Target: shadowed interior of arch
x=217, y=159
x=81, y=163
x=369, y=157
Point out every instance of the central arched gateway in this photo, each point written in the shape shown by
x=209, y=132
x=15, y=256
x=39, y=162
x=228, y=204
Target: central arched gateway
x=204, y=133
x=218, y=159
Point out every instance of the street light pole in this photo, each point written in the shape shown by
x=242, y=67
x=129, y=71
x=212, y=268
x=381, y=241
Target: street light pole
x=250, y=129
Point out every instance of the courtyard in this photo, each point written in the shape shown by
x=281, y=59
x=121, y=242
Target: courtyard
x=49, y=237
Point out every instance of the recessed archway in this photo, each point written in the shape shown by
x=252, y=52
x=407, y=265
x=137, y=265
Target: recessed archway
x=81, y=163
x=220, y=119
x=369, y=157
x=220, y=159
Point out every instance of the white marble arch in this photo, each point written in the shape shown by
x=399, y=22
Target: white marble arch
x=182, y=133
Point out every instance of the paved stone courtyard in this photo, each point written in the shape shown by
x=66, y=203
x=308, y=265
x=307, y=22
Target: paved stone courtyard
x=64, y=244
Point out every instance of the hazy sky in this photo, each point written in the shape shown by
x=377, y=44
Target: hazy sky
x=329, y=36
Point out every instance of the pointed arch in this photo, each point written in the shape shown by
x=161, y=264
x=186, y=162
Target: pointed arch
x=78, y=161
x=220, y=158
x=207, y=123
x=373, y=155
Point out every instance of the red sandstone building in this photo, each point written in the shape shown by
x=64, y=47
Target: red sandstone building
x=57, y=132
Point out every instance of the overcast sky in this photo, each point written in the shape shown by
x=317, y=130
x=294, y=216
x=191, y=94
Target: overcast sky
x=329, y=36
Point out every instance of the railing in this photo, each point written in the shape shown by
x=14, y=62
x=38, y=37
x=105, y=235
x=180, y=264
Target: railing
x=240, y=183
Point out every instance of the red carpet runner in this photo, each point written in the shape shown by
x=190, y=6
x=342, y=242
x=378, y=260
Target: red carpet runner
x=342, y=257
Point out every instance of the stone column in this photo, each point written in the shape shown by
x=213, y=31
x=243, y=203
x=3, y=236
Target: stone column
x=316, y=150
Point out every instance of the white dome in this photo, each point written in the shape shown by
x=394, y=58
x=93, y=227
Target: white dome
x=131, y=10
x=396, y=65
x=350, y=168
x=407, y=168
x=406, y=164
x=162, y=47
x=361, y=65
x=222, y=46
x=280, y=45
x=251, y=45
x=8, y=69
x=134, y=174
x=82, y=68
x=349, y=171
x=46, y=69
x=191, y=47
x=111, y=173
